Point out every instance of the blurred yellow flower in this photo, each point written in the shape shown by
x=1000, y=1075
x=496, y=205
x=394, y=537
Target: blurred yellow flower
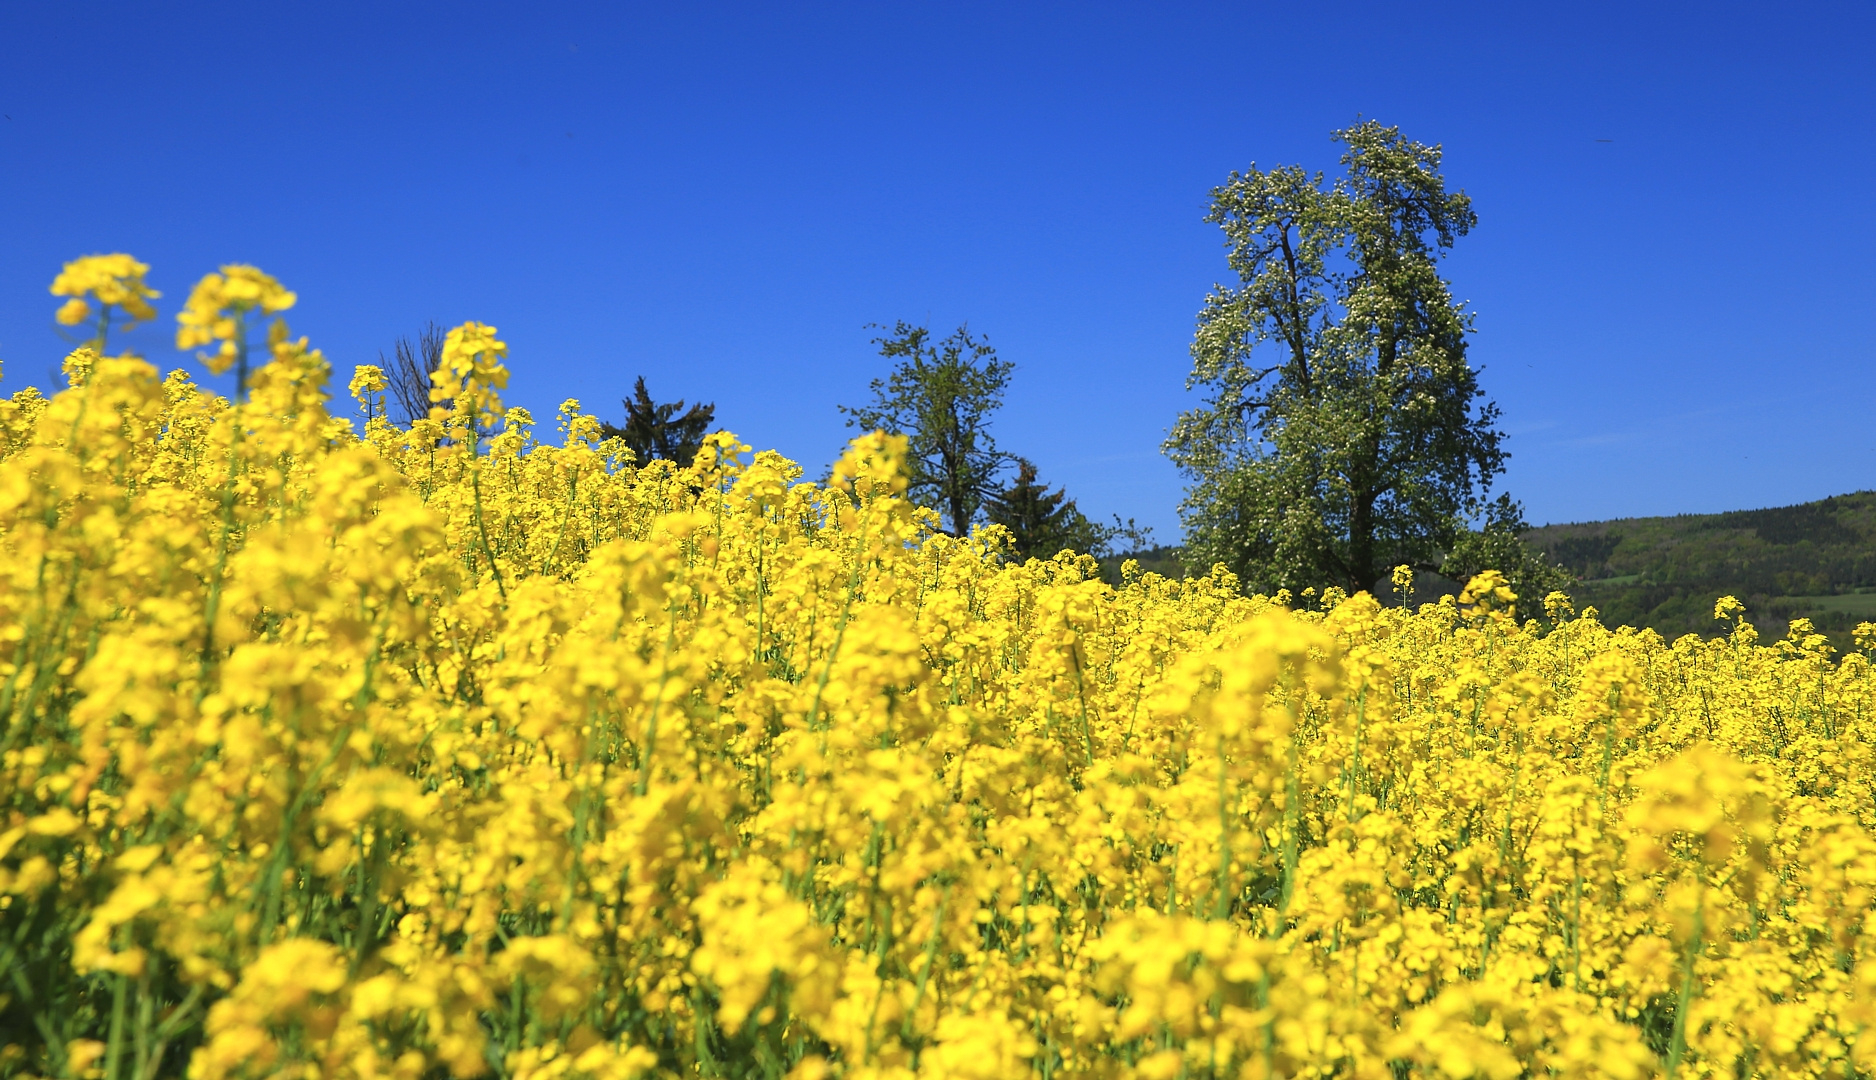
x=109, y=281
x=472, y=371
x=217, y=313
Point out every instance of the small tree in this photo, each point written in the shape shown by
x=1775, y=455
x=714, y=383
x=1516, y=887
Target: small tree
x=407, y=371
x=668, y=431
x=1043, y=522
x=941, y=396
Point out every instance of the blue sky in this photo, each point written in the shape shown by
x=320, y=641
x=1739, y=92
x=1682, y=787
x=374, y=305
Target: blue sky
x=721, y=197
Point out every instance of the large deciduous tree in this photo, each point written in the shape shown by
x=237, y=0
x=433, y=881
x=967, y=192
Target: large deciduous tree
x=1343, y=431
x=941, y=395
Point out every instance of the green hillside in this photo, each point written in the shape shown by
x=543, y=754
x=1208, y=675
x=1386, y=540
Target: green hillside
x=1816, y=560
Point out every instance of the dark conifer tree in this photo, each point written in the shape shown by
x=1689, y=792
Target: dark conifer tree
x=668, y=432
x=1042, y=522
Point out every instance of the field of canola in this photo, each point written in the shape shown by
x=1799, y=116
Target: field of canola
x=419, y=753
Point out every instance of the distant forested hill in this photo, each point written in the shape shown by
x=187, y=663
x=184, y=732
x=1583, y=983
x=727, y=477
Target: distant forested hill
x=1816, y=560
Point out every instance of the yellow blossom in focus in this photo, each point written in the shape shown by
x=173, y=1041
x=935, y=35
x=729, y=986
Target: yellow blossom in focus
x=366, y=379
x=1488, y=591
x=78, y=365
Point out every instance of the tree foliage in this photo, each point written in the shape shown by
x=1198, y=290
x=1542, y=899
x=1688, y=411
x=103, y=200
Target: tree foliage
x=1342, y=432
x=941, y=395
x=668, y=432
x=1498, y=544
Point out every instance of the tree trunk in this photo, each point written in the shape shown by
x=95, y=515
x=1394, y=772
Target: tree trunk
x=1361, y=543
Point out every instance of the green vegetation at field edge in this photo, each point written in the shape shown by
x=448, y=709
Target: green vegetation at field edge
x=1813, y=560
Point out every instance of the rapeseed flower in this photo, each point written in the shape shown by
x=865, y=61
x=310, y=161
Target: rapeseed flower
x=414, y=752
x=109, y=281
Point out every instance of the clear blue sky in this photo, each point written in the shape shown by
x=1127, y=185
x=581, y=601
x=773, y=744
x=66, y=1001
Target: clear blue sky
x=722, y=197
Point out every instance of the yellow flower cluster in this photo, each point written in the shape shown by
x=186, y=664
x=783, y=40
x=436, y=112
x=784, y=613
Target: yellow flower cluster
x=472, y=371
x=109, y=281
x=331, y=752
x=218, y=312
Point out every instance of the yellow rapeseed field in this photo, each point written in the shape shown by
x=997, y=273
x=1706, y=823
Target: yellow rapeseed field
x=341, y=750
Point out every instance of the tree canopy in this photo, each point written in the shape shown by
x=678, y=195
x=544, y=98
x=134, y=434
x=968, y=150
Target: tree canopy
x=941, y=395
x=1343, y=431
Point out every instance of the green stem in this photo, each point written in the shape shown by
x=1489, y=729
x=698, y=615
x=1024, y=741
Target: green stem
x=657, y=702
x=1292, y=814
x=931, y=956
x=475, y=485
x=1354, y=764
x=1222, y=905
x=1695, y=945
x=114, y=1047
